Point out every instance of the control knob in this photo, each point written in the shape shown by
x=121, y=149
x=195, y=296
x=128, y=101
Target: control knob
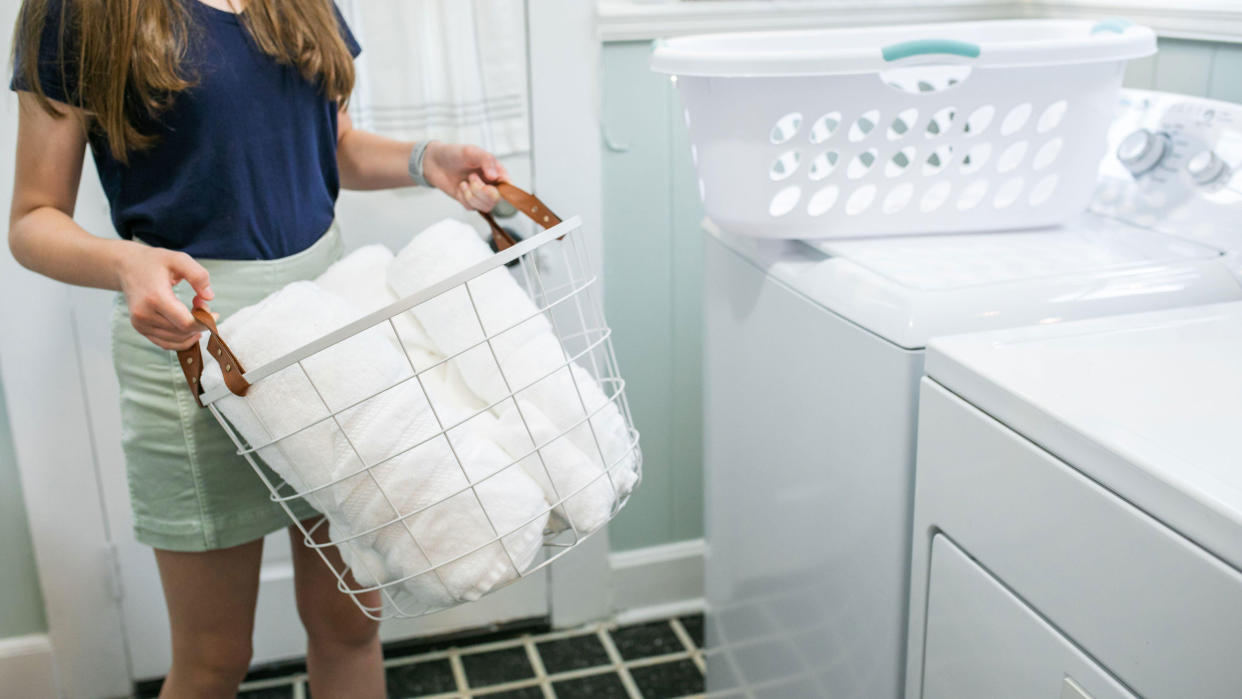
x=1206, y=168
x=1143, y=150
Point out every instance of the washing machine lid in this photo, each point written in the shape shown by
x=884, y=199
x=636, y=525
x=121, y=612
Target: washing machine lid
x=911, y=289
x=1149, y=405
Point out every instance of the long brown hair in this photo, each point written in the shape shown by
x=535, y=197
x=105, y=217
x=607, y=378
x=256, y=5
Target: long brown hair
x=127, y=56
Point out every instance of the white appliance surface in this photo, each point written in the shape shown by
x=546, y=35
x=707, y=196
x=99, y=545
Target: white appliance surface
x=983, y=641
x=808, y=468
x=813, y=354
x=821, y=356
x=1149, y=405
x=1158, y=612
x=908, y=290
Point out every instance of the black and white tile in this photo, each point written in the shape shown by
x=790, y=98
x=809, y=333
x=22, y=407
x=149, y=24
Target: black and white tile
x=653, y=660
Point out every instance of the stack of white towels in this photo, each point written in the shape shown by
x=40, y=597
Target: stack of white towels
x=421, y=478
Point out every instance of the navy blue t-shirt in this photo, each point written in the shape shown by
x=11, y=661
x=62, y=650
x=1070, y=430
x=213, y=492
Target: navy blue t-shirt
x=245, y=165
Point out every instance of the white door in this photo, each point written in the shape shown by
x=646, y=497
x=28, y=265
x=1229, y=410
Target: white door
x=386, y=217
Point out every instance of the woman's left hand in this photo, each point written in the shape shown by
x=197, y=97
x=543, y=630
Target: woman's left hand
x=464, y=173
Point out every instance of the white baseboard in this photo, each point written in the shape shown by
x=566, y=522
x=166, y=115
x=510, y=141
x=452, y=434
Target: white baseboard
x=26, y=667
x=660, y=611
x=658, y=581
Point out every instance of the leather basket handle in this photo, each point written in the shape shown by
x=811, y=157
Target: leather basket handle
x=191, y=360
x=525, y=202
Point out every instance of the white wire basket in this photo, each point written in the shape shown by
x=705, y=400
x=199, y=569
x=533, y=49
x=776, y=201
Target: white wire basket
x=900, y=130
x=455, y=548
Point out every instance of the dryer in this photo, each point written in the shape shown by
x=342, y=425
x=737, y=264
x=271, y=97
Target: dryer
x=1078, y=511
x=813, y=354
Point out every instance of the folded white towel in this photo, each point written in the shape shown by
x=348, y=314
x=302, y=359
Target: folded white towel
x=383, y=418
x=533, y=361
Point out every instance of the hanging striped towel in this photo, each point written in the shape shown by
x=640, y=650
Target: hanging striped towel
x=453, y=70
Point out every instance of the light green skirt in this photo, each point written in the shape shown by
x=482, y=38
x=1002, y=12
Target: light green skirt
x=189, y=489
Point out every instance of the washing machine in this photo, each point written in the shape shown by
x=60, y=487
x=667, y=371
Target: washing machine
x=1078, y=511
x=813, y=356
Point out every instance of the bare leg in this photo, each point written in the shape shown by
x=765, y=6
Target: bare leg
x=211, y=597
x=343, y=656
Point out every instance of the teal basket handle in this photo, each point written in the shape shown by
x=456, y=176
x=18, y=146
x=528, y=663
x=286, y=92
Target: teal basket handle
x=930, y=47
x=1113, y=25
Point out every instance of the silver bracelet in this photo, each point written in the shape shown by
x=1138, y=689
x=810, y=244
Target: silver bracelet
x=416, y=163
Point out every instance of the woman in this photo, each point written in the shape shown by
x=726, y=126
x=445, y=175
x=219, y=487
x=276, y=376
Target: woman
x=219, y=133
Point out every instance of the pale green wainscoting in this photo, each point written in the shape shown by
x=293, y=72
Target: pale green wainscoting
x=653, y=279
x=653, y=265
x=1201, y=68
x=21, y=605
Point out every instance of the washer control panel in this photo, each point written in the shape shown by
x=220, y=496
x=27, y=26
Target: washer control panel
x=1175, y=165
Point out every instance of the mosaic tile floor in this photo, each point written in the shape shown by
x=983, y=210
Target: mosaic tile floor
x=654, y=660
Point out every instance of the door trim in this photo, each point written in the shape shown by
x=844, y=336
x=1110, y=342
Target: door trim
x=566, y=160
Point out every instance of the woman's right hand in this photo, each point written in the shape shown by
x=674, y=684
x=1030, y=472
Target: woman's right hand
x=147, y=276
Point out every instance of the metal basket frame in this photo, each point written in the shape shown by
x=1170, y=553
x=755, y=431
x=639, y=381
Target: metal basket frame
x=578, y=295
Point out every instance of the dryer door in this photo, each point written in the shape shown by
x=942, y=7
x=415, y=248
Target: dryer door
x=983, y=642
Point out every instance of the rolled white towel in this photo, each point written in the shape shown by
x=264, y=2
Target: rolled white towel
x=451, y=523
x=583, y=492
x=361, y=278
x=534, y=363
x=380, y=420
x=565, y=394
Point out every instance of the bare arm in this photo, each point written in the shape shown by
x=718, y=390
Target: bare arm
x=370, y=161
x=44, y=237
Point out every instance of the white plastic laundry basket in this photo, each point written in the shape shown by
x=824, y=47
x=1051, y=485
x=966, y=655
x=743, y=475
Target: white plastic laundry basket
x=900, y=130
x=552, y=269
